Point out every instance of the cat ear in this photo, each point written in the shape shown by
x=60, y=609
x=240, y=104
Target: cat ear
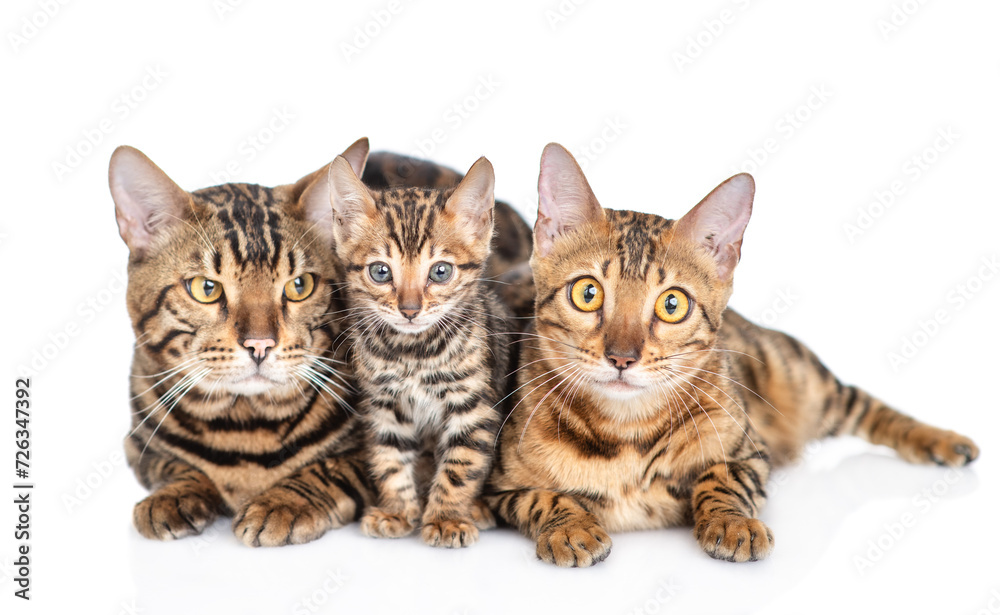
x=147, y=202
x=565, y=200
x=718, y=221
x=350, y=200
x=472, y=201
x=315, y=188
x=357, y=155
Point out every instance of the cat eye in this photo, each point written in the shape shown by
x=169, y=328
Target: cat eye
x=673, y=306
x=587, y=294
x=204, y=290
x=380, y=272
x=441, y=272
x=300, y=288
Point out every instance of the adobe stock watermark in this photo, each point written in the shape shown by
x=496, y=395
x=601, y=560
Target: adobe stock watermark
x=992, y=606
x=85, y=312
x=455, y=116
x=913, y=170
x=225, y=8
x=254, y=144
x=955, y=300
x=712, y=29
x=785, y=128
x=331, y=584
x=660, y=597
x=364, y=34
x=783, y=301
x=899, y=15
x=33, y=24
x=560, y=13
x=122, y=106
x=895, y=530
x=88, y=484
x=611, y=129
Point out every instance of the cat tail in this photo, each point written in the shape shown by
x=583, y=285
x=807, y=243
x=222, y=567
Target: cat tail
x=796, y=398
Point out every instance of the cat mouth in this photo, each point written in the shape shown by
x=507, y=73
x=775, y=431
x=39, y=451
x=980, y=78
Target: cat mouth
x=620, y=387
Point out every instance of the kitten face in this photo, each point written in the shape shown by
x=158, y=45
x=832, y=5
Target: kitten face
x=626, y=300
x=230, y=286
x=412, y=255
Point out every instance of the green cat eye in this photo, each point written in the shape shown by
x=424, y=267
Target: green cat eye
x=300, y=288
x=204, y=290
x=380, y=272
x=441, y=272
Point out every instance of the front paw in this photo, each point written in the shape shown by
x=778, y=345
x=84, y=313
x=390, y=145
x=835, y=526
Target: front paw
x=734, y=538
x=450, y=533
x=168, y=516
x=577, y=544
x=378, y=523
x=482, y=516
x=932, y=445
x=274, y=519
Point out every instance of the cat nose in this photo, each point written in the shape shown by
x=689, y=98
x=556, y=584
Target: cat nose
x=409, y=311
x=258, y=349
x=622, y=362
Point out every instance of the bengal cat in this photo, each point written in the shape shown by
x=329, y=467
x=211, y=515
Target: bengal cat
x=641, y=399
x=240, y=405
x=429, y=348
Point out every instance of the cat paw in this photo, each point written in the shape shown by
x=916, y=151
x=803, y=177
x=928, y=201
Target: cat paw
x=168, y=516
x=271, y=520
x=378, y=523
x=734, y=538
x=450, y=533
x=577, y=544
x=482, y=516
x=932, y=445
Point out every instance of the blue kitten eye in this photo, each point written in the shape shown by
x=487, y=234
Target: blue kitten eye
x=380, y=272
x=441, y=272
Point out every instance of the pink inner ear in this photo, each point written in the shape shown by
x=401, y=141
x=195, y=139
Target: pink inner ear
x=719, y=221
x=565, y=199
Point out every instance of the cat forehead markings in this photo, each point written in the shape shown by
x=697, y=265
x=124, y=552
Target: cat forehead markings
x=250, y=220
x=410, y=216
x=636, y=239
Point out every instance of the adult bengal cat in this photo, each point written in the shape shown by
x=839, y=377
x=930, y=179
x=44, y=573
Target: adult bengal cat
x=641, y=399
x=241, y=406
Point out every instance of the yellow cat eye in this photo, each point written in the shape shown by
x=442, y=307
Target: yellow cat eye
x=300, y=288
x=673, y=306
x=587, y=294
x=204, y=290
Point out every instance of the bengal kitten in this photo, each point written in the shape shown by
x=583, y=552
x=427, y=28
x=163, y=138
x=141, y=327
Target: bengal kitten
x=240, y=405
x=429, y=350
x=644, y=402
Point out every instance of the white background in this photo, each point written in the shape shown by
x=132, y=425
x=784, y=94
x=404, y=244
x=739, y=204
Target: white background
x=656, y=133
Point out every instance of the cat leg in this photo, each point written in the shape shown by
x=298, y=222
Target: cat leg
x=321, y=496
x=393, y=456
x=566, y=533
x=854, y=411
x=452, y=517
x=725, y=501
x=183, y=501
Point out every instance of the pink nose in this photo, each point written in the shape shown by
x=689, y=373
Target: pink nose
x=259, y=348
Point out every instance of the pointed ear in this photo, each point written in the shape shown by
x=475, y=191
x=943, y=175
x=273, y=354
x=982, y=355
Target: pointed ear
x=315, y=190
x=357, y=155
x=350, y=200
x=565, y=200
x=718, y=221
x=471, y=203
x=147, y=202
